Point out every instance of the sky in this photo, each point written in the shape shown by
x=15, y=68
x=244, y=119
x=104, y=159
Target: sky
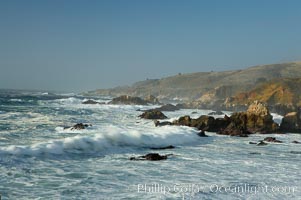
x=78, y=45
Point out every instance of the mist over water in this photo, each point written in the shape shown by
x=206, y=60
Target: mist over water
x=39, y=158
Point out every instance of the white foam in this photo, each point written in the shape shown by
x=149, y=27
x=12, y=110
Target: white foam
x=111, y=139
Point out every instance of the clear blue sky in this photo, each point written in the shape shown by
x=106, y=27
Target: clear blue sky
x=80, y=45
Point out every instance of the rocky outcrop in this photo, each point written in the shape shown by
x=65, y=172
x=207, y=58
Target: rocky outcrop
x=204, y=122
x=152, y=114
x=257, y=119
x=151, y=157
x=128, y=100
x=291, y=122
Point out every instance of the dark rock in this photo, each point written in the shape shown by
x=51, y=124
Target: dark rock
x=252, y=143
x=158, y=123
x=255, y=153
x=256, y=119
x=154, y=156
x=90, y=101
x=234, y=130
x=78, y=126
x=216, y=113
x=296, y=142
x=151, y=157
x=168, y=107
x=153, y=114
x=295, y=152
x=162, y=148
x=128, y=100
x=262, y=143
x=291, y=122
x=202, y=134
x=272, y=139
x=194, y=112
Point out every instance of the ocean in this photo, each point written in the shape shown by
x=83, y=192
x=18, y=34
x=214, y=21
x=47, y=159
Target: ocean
x=40, y=159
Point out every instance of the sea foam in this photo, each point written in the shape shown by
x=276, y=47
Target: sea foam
x=110, y=139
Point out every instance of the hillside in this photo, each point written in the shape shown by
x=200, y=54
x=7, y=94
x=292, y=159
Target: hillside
x=207, y=87
x=283, y=93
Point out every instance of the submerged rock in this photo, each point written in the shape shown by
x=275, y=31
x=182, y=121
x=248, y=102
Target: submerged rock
x=153, y=114
x=151, y=157
x=296, y=142
x=162, y=148
x=128, y=100
x=261, y=143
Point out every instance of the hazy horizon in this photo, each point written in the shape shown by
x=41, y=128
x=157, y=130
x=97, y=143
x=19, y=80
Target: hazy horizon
x=81, y=46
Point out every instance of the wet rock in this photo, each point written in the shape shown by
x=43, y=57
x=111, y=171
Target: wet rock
x=252, y=142
x=162, y=148
x=79, y=126
x=158, y=123
x=261, y=143
x=234, y=130
x=90, y=101
x=168, y=107
x=271, y=139
x=151, y=157
x=202, y=134
x=296, y=142
x=194, y=112
x=291, y=122
x=153, y=114
x=216, y=113
x=128, y=100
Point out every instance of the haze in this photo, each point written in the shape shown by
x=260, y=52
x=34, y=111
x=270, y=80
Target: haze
x=84, y=45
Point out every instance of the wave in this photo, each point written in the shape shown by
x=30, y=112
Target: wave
x=111, y=139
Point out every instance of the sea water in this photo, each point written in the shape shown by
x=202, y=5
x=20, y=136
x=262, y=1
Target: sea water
x=40, y=159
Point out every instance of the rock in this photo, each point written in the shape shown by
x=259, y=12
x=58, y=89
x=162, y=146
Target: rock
x=257, y=119
x=128, y=100
x=295, y=152
x=168, y=107
x=296, y=142
x=252, y=143
x=162, y=148
x=202, y=134
x=158, y=123
x=291, y=122
x=90, y=101
x=234, y=130
x=272, y=139
x=194, y=112
x=216, y=113
x=151, y=157
x=153, y=114
x=78, y=126
x=151, y=99
x=262, y=143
